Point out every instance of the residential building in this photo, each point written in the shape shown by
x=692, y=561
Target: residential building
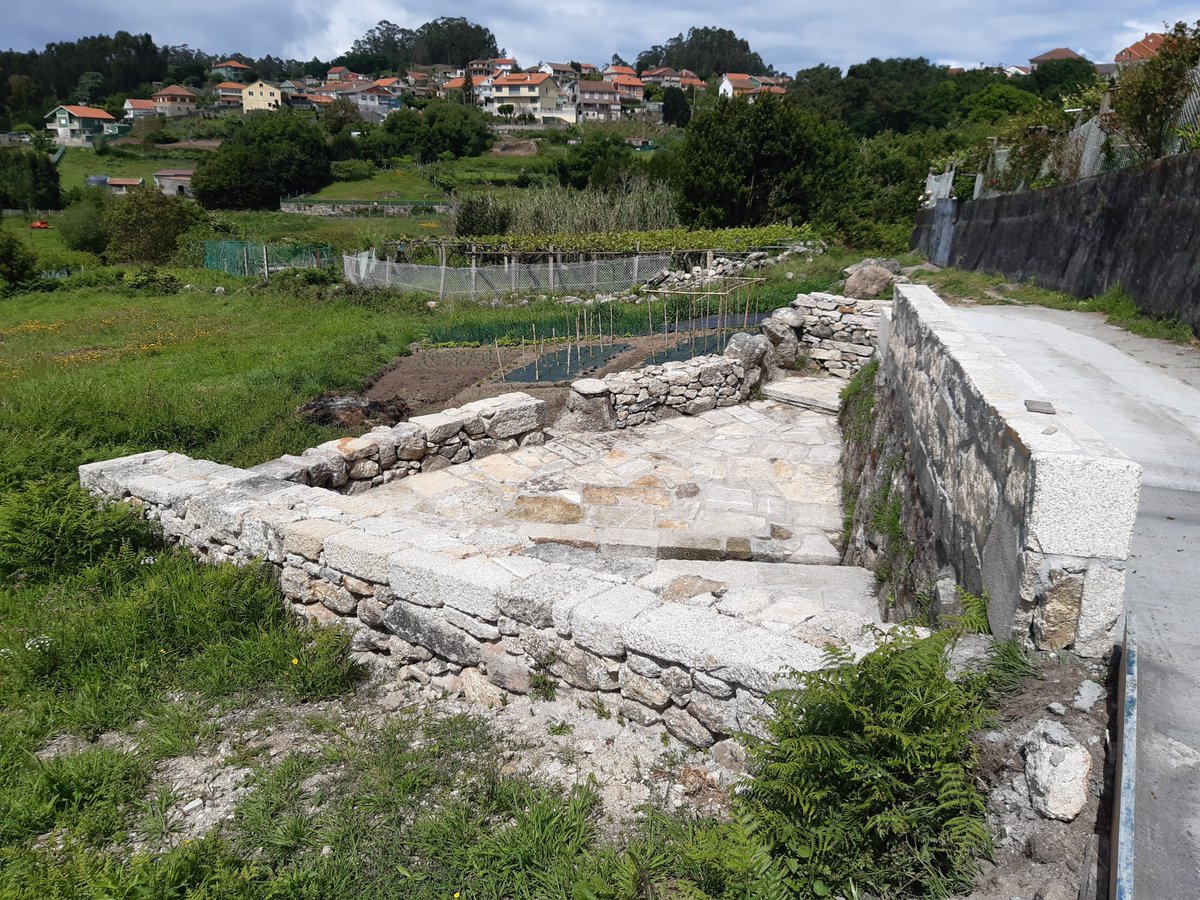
x=420, y=84
x=588, y=69
x=1050, y=55
x=753, y=95
x=596, y=101
x=1016, y=71
x=230, y=70
x=562, y=72
x=482, y=68
x=76, y=126
x=663, y=77
x=630, y=88
x=174, y=101
x=229, y=94
x=341, y=73
x=261, y=95
x=1140, y=51
x=371, y=100
x=689, y=81
x=120, y=186
x=174, y=182
x=394, y=86
x=611, y=72
x=139, y=109
x=533, y=93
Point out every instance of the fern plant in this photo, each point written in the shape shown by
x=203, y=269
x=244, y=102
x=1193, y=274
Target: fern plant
x=866, y=779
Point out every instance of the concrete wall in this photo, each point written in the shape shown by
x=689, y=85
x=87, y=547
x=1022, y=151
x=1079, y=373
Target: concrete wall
x=1032, y=509
x=1138, y=227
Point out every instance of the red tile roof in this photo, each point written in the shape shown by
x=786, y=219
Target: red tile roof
x=455, y=84
x=619, y=70
x=1146, y=48
x=230, y=86
x=126, y=182
x=175, y=90
x=141, y=104
x=231, y=64
x=740, y=82
x=518, y=78
x=85, y=112
x=631, y=81
x=1056, y=53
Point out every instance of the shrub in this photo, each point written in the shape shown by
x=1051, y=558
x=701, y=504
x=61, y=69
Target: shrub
x=145, y=224
x=867, y=775
x=51, y=528
x=351, y=169
x=152, y=280
x=18, y=263
x=481, y=215
x=84, y=224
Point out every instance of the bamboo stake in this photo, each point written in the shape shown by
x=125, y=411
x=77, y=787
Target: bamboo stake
x=499, y=361
x=611, y=334
x=536, y=371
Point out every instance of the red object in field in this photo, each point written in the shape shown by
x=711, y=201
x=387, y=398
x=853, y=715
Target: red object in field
x=40, y=223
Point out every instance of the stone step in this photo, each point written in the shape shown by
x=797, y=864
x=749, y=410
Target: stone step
x=817, y=394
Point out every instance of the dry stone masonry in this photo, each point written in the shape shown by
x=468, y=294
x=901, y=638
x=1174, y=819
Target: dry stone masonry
x=998, y=489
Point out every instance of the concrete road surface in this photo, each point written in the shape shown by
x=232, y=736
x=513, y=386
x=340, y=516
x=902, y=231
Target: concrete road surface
x=1143, y=396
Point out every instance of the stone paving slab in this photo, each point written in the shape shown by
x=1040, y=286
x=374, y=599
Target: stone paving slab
x=758, y=481
x=820, y=394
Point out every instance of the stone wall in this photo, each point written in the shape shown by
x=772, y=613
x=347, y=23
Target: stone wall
x=993, y=486
x=330, y=209
x=422, y=444
x=837, y=333
x=695, y=649
x=1137, y=227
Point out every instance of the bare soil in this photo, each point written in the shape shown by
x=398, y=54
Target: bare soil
x=431, y=380
x=1038, y=858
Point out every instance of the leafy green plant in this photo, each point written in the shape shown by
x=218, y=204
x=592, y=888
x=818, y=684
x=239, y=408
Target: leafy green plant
x=867, y=774
x=858, y=403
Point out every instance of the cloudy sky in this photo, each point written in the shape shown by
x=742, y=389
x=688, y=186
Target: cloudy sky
x=790, y=34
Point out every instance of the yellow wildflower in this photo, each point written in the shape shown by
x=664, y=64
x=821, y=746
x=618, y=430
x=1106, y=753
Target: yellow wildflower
x=295, y=662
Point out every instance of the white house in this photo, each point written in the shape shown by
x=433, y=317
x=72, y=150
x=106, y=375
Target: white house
x=76, y=126
x=533, y=93
x=174, y=101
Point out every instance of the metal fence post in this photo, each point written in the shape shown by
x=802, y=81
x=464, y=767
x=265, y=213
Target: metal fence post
x=442, y=281
x=550, y=267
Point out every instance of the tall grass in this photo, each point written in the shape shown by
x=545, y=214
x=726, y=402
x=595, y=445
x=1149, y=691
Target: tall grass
x=644, y=206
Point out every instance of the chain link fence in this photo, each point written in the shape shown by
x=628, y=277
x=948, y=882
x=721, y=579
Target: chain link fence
x=552, y=277
x=251, y=258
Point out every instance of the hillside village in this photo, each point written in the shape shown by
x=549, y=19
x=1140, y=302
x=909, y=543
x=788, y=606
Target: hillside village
x=430, y=475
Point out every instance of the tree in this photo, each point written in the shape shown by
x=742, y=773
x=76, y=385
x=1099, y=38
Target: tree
x=453, y=129
x=145, y=223
x=385, y=47
x=705, y=51
x=88, y=88
x=897, y=95
x=598, y=161
x=28, y=180
x=467, y=94
x=506, y=110
x=1058, y=78
x=84, y=224
x=754, y=163
x=819, y=89
x=997, y=102
x=675, y=108
x=269, y=156
x=18, y=263
x=1148, y=97
x=453, y=41
x=341, y=114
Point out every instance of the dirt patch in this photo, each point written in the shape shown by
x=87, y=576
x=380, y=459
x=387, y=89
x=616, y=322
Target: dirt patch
x=1038, y=857
x=515, y=148
x=431, y=380
x=198, y=144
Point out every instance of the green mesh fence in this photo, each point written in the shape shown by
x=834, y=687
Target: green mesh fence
x=251, y=258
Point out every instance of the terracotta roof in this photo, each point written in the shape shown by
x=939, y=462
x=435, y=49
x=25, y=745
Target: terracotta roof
x=628, y=81
x=741, y=82
x=174, y=90
x=139, y=104
x=230, y=86
x=231, y=64
x=1056, y=53
x=386, y=82
x=455, y=84
x=317, y=98
x=338, y=69
x=602, y=87
x=769, y=89
x=518, y=78
x=1146, y=48
x=126, y=182
x=660, y=71
x=619, y=70
x=419, y=76
x=84, y=112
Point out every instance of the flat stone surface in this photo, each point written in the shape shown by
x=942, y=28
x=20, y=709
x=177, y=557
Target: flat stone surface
x=818, y=394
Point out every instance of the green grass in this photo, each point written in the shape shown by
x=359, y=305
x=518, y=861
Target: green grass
x=78, y=163
x=403, y=183
x=1117, y=306
x=350, y=233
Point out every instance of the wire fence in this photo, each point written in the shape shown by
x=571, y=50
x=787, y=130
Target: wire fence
x=551, y=276
x=252, y=258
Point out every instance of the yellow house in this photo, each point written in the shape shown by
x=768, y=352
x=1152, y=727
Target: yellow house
x=261, y=95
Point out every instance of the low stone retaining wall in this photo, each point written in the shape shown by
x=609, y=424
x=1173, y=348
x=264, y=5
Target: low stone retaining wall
x=696, y=649
x=993, y=486
x=332, y=209
x=422, y=444
x=836, y=332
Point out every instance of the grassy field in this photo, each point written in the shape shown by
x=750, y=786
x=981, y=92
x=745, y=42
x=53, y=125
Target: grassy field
x=341, y=233
x=78, y=163
x=402, y=183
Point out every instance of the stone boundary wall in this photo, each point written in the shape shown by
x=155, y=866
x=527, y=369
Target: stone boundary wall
x=1031, y=508
x=838, y=333
x=438, y=599
x=422, y=444
x=1137, y=227
x=333, y=209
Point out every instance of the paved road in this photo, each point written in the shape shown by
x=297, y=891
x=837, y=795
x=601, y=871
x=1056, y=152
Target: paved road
x=1144, y=397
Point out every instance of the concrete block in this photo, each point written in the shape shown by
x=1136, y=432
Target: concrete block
x=430, y=579
x=440, y=427
x=535, y=599
x=1083, y=505
x=362, y=555
x=597, y=622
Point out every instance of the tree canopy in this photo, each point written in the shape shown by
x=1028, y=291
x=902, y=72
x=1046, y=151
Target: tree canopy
x=449, y=41
x=705, y=51
x=272, y=155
